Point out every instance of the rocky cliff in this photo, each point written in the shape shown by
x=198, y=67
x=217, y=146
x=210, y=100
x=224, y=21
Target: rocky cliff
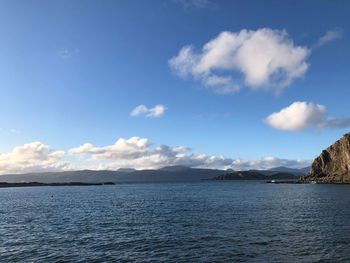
x=333, y=164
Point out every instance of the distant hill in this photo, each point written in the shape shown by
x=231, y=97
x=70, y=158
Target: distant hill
x=174, y=168
x=282, y=169
x=89, y=176
x=300, y=171
x=169, y=173
x=126, y=170
x=253, y=175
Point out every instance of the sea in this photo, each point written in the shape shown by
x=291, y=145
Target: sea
x=208, y=221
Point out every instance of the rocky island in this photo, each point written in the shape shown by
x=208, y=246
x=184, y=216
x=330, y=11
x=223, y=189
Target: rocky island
x=255, y=175
x=332, y=165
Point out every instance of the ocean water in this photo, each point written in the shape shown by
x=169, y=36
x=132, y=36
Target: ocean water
x=229, y=221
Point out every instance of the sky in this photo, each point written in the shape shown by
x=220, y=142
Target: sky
x=146, y=84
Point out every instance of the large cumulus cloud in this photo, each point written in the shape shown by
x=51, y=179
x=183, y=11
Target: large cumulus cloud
x=32, y=157
x=301, y=115
x=264, y=58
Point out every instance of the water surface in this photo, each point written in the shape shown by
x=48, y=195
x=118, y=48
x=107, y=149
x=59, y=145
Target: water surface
x=230, y=221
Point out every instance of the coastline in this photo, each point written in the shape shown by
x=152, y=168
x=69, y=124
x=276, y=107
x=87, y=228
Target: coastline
x=6, y=185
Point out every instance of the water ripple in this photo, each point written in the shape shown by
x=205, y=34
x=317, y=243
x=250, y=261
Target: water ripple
x=167, y=222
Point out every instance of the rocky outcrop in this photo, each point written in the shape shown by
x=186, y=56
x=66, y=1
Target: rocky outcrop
x=333, y=164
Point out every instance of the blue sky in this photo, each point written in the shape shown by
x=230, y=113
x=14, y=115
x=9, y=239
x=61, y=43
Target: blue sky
x=73, y=71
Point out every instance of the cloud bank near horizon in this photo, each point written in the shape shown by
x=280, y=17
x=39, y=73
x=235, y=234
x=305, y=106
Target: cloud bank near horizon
x=138, y=153
x=258, y=59
x=135, y=152
x=33, y=157
x=301, y=115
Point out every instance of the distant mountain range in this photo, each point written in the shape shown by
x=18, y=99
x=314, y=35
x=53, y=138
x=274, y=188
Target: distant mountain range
x=169, y=173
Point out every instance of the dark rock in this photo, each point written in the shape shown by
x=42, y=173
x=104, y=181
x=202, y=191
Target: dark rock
x=332, y=165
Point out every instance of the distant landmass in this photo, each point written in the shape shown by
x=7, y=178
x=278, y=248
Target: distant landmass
x=283, y=169
x=5, y=185
x=300, y=171
x=169, y=173
x=332, y=165
x=253, y=175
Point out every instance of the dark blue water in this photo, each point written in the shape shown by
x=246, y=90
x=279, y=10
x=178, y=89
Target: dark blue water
x=176, y=222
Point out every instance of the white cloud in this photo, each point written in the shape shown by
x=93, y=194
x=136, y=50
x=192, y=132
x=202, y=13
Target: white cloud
x=32, y=157
x=135, y=152
x=154, y=112
x=302, y=115
x=265, y=58
x=138, y=153
x=329, y=36
x=123, y=149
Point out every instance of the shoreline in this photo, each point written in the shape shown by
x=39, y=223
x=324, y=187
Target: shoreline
x=6, y=185
x=304, y=182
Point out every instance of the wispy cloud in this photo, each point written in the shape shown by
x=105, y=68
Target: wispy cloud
x=194, y=3
x=12, y=131
x=331, y=35
x=154, y=112
x=302, y=115
x=212, y=116
x=66, y=53
x=15, y=131
x=263, y=59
